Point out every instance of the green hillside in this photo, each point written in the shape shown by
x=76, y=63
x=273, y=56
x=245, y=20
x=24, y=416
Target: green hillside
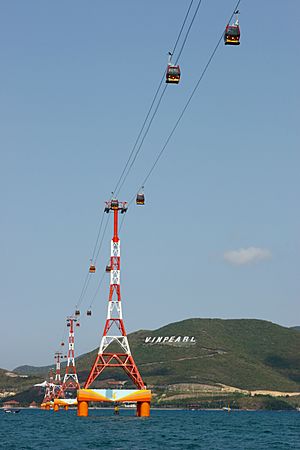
x=245, y=353
x=11, y=382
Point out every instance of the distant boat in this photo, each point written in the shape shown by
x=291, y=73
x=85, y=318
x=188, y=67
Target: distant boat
x=11, y=410
x=130, y=405
x=226, y=408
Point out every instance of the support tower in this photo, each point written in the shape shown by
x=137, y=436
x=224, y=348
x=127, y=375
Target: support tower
x=57, y=390
x=70, y=380
x=114, y=329
x=49, y=391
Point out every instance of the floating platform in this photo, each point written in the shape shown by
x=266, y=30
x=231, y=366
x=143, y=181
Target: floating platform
x=142, y=397
x=64, y=403
x=47, y=405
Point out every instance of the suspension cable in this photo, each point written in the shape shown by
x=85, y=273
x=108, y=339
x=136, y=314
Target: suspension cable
x=160, y=99
x=121, y=182
x=186, y=105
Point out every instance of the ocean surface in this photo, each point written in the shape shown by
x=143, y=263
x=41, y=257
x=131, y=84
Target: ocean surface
x=164, y=430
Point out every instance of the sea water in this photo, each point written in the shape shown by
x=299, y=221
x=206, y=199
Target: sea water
x=164, y=430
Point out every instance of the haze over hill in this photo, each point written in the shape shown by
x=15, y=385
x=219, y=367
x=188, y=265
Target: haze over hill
x=245, y=353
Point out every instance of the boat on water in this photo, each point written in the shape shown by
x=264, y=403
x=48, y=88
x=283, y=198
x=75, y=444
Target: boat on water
x=11, y=410
x=226, y=408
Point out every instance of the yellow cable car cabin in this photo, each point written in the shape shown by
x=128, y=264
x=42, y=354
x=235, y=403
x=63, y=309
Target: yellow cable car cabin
x=92, y=268
x=172, y=74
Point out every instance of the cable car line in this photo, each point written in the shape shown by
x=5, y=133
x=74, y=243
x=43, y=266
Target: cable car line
x=97, y=289
x=185, y=107
x=188, y=32
x=176, y=123
x=118, y=186
x=127, y=169
x=101, y=242
x=98, y=236
x=143, y=139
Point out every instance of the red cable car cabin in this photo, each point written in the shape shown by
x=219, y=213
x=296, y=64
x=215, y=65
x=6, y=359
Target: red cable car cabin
x=232, y=35
x=173, y=74
x=92, y=268
x=140, y=199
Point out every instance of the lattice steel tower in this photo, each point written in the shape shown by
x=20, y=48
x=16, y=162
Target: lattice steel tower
x=70, y=380
x=114, y=329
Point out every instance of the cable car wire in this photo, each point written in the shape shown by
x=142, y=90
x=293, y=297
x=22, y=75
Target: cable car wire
x=124, y=175
x=103, y=235
x=120, y=183
x=98, y=236
x=185, y=107
x=188, y=32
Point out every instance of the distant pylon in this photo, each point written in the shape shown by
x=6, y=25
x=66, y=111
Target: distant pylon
x=57, y=390
x=70, y=380
x=114, y=319
x=49, y=392
x=57, y=357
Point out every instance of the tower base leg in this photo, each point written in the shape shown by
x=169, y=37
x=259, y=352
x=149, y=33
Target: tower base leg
x=55, y=407
x=82, y=409
x=47, y=407
x=66, y=407
x=143, y=409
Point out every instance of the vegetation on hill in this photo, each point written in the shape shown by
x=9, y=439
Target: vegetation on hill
x=248, y=354
x=10, y=382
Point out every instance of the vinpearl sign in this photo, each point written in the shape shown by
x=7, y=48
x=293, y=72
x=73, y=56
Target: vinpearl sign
x=170, y=340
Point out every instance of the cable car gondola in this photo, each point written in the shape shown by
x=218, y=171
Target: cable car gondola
x=114, y=204
x=108, y=268
x=92, y=268
x=232, y=32
x=77, y=312
x=173, y=72
x=89, y=312
x=77, y=324
x=140, y=198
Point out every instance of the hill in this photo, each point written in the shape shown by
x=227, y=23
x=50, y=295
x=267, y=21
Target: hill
x=245, y=353
x=11, y=383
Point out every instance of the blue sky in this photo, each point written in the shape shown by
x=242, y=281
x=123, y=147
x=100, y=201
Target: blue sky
x=219, y=235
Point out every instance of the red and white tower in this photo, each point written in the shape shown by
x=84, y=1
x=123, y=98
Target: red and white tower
x=57, y=358
x=49, y=388
x=114, y=329
x=57, y=381
x=70, y=380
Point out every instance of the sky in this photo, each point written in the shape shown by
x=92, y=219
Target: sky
x=219, y=233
